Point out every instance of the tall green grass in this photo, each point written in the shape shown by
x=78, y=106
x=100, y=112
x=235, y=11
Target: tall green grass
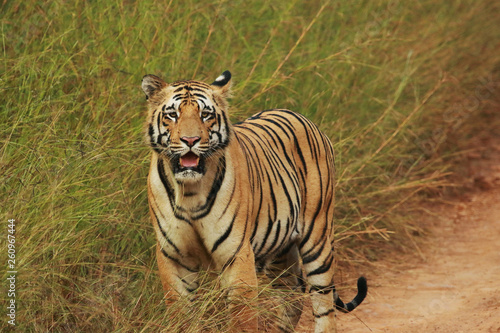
x=396, y=85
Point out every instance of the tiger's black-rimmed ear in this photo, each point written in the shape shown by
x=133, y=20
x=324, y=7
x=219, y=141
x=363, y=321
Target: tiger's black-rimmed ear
x=223, y=79
x=222, y=84
x=151, y=84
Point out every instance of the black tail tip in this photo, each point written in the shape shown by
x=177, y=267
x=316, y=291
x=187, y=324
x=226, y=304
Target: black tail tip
x=358, y=299
x=362, y=286
x=362, y=291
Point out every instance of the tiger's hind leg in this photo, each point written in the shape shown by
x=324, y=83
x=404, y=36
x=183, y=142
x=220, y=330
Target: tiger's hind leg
x=286, y=274
x=318, y=260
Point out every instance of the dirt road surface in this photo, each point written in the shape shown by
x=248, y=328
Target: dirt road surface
x=453, y=285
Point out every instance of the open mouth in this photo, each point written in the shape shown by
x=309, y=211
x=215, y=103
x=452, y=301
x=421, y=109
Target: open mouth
x=188, y=166
x=189, y=160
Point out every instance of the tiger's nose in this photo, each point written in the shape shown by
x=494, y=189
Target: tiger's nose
x=190, y=140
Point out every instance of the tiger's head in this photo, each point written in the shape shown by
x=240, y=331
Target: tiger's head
x=187, y=122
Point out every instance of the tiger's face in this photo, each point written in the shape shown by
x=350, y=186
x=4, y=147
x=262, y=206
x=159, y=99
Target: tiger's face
x=187, y=122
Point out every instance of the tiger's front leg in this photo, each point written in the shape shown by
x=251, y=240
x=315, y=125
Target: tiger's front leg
x=240, y=280
x=178, y=280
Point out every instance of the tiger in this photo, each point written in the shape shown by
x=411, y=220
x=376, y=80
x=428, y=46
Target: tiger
x=239, y=199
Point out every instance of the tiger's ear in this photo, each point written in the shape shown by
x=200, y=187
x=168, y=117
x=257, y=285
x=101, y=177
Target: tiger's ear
x=151, y=84
x=223, y=84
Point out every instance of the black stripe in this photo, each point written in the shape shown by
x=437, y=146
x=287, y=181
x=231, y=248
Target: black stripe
x=177, y=261
x=169, y=241
x=190, y=290
x=214, y=190
x=227, y=127
x=306, y=258
x=325, y=267
x=151, y=132
x=270, y=156
x=170, y=192
x=257, y=167
x=295, y=139
x=276, y=237
x=158, y=121
x=324, y=313
x=278, y=158
x=283, y=147
x=256, y=222
x=249, y=163
x=322, y=290
x=231, y=260
x=316, y=213
x=270, y=219
x=166, y=184
x=187, y=285
x=224, y=236
x=303, y=121
x=266, y=236
x=200, y=96
x=279, y=125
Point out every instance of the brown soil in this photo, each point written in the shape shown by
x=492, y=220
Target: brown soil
x=452, y=284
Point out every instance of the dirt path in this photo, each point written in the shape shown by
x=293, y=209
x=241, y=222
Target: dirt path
x=454, y=286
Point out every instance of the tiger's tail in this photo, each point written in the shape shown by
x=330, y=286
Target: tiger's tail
x=358, y=299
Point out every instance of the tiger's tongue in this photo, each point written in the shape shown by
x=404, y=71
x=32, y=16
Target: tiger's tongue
x=190, y=160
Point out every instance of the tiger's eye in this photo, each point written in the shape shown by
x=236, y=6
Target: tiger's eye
x=171, y=114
